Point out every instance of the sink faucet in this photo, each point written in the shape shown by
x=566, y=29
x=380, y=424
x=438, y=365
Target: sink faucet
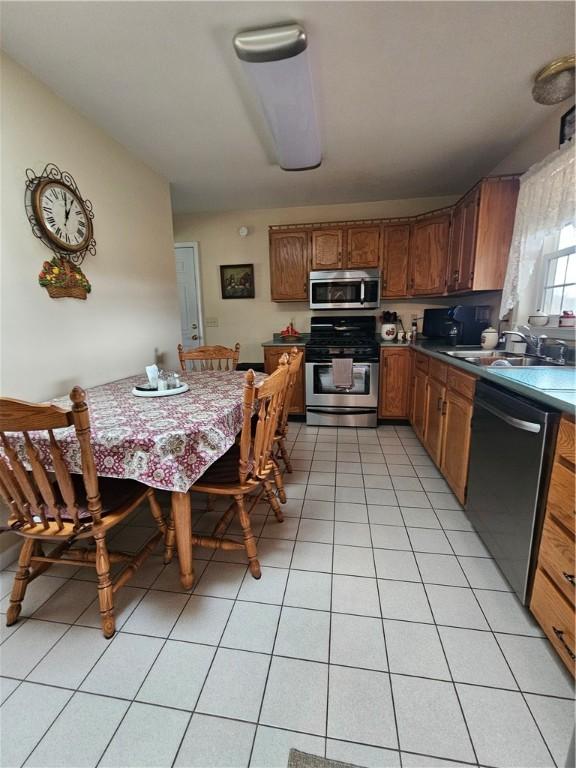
x=534, y=343
x=562, y=344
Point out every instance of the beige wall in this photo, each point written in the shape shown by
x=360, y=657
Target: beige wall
x=537, y=145
x=48, y=345
x=252, y=321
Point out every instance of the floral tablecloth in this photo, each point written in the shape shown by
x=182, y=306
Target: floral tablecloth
x=165, y=442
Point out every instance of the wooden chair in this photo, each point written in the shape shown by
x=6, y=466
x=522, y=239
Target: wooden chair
x=295, y=361
x=246, y=467
x=209, y=358
x=49, y=505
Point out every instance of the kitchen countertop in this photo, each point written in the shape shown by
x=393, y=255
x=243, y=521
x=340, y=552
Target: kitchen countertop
x=278, y=341
x=554, y=386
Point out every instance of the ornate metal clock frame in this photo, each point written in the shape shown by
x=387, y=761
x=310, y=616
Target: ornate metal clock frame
x=62, y=276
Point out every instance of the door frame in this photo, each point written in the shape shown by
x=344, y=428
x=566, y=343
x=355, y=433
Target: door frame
x=194, y=244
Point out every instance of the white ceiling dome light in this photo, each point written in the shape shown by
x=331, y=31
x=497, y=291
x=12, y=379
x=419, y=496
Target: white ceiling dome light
x=276, y=61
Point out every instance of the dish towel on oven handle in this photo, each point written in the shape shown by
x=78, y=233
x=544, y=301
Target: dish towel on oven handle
x=342, y=372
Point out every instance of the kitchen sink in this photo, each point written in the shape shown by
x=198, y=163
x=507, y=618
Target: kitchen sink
x=490, y=357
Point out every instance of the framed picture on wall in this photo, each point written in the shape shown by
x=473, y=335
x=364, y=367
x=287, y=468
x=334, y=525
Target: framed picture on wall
x=567, y=127
x=237, y=281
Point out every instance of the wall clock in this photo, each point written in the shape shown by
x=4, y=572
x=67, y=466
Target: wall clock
x=62, y=219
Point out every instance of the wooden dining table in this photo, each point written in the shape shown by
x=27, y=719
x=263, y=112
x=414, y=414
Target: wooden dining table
x=164, y=442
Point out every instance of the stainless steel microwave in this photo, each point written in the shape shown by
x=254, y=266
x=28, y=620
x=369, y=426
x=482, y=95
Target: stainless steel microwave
x=345, y=289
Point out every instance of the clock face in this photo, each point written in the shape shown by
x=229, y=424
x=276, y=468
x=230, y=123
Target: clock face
x=62, y=216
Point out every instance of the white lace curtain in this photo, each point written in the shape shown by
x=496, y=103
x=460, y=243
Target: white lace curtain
x=546, y=203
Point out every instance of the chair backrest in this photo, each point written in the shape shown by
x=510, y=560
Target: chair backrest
x=294, y=363
x=256, y=446
x=209, y=358
x=31, y=496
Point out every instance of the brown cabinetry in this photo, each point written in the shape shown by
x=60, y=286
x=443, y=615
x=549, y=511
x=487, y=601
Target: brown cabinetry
x=441, y=416
x=272, y=356
x=289, y=265
x=395, y=244
x=395, y=374
x=346, y=247
x=482, y=225
x=327, y=249
x=429, y=255
x=553, y=594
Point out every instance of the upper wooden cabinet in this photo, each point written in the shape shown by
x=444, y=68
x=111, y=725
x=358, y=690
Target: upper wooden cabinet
x=327, y=249
x=453, y=250
x=395, y=243
x=482, y=227
x=429, y=255
x=362, y=247
x=289, y=265
x=346, y=247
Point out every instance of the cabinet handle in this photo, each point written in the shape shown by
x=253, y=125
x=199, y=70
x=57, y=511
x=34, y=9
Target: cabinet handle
x=439, y=404
x=560, y=635
x=569, y=577
x=456, y=274
x=444, y=406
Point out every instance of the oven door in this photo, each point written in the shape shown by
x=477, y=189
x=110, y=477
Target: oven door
x=321, y=390
x=339, y=291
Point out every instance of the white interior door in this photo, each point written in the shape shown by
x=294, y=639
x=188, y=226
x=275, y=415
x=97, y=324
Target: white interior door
x=188, y=281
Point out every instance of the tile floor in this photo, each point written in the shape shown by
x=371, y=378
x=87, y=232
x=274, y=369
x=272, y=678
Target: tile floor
x=381, y=633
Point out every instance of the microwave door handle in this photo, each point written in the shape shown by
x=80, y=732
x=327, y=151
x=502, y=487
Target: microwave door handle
x=362, y=291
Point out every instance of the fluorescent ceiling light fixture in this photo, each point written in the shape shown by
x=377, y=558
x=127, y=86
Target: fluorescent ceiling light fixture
x=276, y=61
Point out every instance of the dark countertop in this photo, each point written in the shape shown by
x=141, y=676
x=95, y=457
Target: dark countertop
x=278, y=341
x=554, y=386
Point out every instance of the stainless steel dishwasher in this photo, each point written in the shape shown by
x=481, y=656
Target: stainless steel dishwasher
x=510, y=459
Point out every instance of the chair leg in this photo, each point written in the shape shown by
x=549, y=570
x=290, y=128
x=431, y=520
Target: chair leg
x=105, y=593
x=156, y=511
x=224, y=521
x=284, y=454
x=249, y=540
x=20, y=581
x=170, y=540
x=271, y=496
x=279, y=481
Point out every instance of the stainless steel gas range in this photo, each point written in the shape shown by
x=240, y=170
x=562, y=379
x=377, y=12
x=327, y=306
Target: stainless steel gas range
x=329, y=402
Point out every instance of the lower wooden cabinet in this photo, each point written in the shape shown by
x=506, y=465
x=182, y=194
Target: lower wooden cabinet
x=395, y=374
x=553, y=593
x=456, y=446
x=441, y=416
x=434, y=429
x=271, y=357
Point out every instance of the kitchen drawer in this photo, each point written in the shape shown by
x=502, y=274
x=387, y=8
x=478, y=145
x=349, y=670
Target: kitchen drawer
x=438, y=371
x=556, y=617
x=421, y=362
x=565, y=442
x=561, y=494
x=461, y=382
x=556, y=557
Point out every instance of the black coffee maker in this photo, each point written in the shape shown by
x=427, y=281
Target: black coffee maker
x=457, y=325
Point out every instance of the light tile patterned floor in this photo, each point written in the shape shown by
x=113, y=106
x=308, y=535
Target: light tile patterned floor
x=381, y=633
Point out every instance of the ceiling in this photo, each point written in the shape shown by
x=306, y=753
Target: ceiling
x=415, y=98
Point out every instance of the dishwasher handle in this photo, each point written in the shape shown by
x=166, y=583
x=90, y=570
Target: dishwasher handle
x=525, y=426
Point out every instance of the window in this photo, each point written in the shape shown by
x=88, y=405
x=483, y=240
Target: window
x=559, y=273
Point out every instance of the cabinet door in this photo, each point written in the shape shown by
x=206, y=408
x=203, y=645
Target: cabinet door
x=395, y=371
x=362, y=247
x=327, y=249
x=455, y=249
x=435, y=393
x=468, y=249
x=419, y=403
x=289, y=261
x=272, y=356
x=429, y=256
x=456, y=443
x=395, y=260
